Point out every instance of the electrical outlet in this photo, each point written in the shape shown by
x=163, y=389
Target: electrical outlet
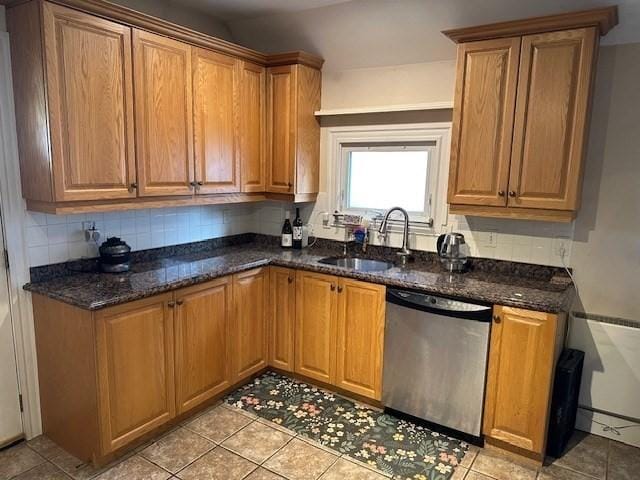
x=492, y=239
x=561, y=246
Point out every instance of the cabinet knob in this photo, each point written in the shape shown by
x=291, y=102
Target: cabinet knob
x=179, y=302
x=133, y=186
x=333, y=287
x=192, y=184
x=290, y=279
x=496, y=318
x=290, y=184
x=200, y=183
x=501, y=193
x=171, y=304
x=512, y=193
x=339, y=289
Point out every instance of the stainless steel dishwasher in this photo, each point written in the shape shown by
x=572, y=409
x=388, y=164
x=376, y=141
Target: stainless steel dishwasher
x=435, y=359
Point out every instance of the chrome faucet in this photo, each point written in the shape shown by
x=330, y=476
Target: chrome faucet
x=404, y=252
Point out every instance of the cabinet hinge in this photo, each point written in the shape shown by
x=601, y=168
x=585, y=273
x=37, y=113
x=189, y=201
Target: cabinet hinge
x=6, y=259
x=20, y=401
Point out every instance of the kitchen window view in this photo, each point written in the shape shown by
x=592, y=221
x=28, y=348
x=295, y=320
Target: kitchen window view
x=378, y=177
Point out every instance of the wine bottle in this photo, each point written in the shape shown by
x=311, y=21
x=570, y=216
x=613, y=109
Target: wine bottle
x=286, y=240
x=297, y=231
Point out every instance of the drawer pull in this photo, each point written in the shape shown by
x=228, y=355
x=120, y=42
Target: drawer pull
x=290, y=279
x=171, y=304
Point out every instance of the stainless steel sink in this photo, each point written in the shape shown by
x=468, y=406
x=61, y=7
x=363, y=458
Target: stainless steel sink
x=358, y=264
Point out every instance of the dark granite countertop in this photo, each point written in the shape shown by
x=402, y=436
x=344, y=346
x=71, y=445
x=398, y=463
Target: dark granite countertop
x=533, y=287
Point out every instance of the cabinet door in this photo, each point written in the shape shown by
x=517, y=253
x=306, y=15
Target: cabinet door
x=251, y=133
x=214, y=111
x=360, y=337
x=202, y=321
x=550, y=132
x=283, y=311
x=315, y=331
x=164, y=122
x=282, y=115
x=90, y=92
x=482, y=129
x=249, y=350
x=519, y=378
x=135, y=369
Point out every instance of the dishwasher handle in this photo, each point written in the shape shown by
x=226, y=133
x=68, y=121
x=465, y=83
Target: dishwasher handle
x=439, y=305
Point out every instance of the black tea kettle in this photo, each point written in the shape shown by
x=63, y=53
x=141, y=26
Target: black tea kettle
x=114, y=255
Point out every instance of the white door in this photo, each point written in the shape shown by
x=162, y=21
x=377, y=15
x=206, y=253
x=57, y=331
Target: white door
x=10, y=416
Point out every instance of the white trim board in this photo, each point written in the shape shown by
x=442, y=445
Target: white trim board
x=385, y=109
x=14, y=213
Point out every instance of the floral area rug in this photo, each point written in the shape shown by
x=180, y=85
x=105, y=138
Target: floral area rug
x=391, y=445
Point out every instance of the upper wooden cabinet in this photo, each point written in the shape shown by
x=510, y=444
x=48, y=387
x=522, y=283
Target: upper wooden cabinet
x=215, y=92
x=121, y=111
x=293, y=95
x=520, y=120
x=252, y=131
x=524, y=348
x=87, y=151
x=485, y=98
x=164, y=122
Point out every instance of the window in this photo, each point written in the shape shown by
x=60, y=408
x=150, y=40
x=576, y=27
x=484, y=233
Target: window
x=381, y=176
x=372, y=168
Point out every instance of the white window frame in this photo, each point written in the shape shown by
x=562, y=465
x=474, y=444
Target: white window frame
x=421, y=216
x=339, y=139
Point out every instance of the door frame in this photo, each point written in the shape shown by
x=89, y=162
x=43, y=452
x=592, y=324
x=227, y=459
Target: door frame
x=14, y=214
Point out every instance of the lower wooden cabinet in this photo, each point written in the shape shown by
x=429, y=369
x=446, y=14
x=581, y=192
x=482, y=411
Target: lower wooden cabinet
x=203, y=315
x=249, y=328
x=340, y=332
x=360, y=337
x=282, y=310
x=316, y=316
x=134, y=350
x=524, y=348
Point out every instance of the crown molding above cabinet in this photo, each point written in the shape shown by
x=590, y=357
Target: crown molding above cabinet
x=521, y=115
x=116, y=110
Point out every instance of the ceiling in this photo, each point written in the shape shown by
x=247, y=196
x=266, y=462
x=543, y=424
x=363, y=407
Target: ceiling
x=238, y=9
x=373, y=33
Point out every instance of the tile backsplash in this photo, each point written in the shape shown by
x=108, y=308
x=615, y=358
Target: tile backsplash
x=503, y=239
x=58, y=238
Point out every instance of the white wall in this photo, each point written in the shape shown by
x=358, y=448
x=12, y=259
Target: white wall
x=606, y=247
x=176, y=13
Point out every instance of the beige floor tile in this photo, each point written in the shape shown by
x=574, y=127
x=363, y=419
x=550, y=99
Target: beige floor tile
x=257, y=442
x=44, y=446
x=553, y=472
x=263, y=474
x=277, y=426
x=470, y=456
x=218, y=464
x=18, y=459
x=471, y=475
x=178, y=449
x=344, y=469
x=501, y=468
x=44, y=471
x=300, y=461
x=134, y=468
x=624, y=462
x=218, y=424
x=585, y=454
x=459, y=473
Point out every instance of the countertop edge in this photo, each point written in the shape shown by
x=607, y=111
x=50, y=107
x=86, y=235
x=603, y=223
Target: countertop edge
x=546, y=308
